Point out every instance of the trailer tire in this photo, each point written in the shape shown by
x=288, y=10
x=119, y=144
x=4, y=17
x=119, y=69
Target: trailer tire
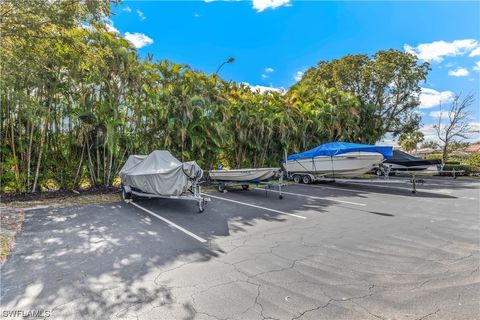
x=201, y=206
x=221, y=187
x=378, y=172
x=126, y=193
x=245, y=186
x=306, y=179
x=297, y=178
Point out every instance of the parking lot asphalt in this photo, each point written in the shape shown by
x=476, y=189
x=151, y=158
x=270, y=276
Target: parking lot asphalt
x=350, y=250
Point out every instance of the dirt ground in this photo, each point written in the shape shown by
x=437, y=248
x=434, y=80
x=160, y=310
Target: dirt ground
x=58, y=194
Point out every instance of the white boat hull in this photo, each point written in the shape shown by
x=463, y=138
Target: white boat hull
x=399, y=167
x=351, y=164
x=260, y=174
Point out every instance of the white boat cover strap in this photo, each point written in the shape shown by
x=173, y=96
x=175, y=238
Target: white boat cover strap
x=160, y=173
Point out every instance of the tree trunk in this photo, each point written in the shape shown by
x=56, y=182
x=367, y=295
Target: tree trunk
x=91, y=169
x=42, y=142
x=29, y=156
x=14, y=154
x=79, y=166
x=445, y=153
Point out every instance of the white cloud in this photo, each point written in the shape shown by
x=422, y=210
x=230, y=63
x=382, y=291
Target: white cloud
x=269, y=70
x=139, y=40
x=196, y=15
x=438, y=114
x=298, y=76
x=261, y=5
x=388, y=140
x=263, y=89
x=459, y=72
x=141, y=15
x=110, y=27
x=475, y=52
x=127, y=9
x=475, y=129
x=86, y=26
x=430, y=98
x=429, y=133
x=477, y=66
x=437, y=50
x=264, y=76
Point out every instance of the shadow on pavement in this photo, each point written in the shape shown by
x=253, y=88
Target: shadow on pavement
x=100, y=261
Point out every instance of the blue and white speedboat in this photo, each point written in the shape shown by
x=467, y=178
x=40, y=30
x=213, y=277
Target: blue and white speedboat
x=336, y=159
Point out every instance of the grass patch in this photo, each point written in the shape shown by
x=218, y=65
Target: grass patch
x=6, y=243
x=10, y=223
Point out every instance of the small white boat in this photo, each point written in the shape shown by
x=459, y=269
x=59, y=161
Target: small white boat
x=260, y=174
x=349, y=165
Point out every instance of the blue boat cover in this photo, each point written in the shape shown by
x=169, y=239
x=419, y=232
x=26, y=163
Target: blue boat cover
x=335, y=148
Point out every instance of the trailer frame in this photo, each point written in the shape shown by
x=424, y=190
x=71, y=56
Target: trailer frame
x=223, y=184
x=196, y=195
x=414, y=181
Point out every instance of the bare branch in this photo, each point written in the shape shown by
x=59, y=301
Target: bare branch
x=457, y=126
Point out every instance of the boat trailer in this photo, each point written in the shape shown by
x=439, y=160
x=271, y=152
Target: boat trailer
x=414, y=176
x=128, y=192
x=223, y=184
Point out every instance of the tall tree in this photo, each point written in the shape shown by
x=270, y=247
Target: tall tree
x=456, y=126
x=410, y=140
x=387, y=86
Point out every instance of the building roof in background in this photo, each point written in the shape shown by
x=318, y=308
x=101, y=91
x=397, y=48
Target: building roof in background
x=473, y=148
x=426, y=151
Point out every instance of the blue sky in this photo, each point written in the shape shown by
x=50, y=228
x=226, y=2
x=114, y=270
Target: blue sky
x=273, y=41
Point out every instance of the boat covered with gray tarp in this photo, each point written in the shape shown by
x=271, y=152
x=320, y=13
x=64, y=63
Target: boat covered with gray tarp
x=160, y=173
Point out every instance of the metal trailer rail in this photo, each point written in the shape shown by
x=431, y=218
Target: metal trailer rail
x=307, y=178
x=415, y=173
x=127, y=193
x=414, y=181
x=223, y=184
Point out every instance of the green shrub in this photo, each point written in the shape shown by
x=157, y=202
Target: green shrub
x=453, y=162
x=474, y=161
x=433, y=156
x=457, y=167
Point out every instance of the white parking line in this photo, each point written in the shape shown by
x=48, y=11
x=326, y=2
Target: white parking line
x=366, y=191
x=259, y=207
x=349, y=190
x=314, y=197
x=385, y=186
x=170, y=223
x=388, y=185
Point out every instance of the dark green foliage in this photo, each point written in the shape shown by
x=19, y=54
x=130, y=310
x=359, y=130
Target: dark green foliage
x=76, y=101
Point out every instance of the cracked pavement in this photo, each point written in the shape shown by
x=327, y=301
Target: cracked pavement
x=395, y=256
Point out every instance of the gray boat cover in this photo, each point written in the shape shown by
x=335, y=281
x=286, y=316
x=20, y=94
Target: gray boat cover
x=160, y=173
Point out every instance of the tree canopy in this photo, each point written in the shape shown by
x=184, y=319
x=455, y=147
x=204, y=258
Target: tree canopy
x=76, y=100
x=386, y=85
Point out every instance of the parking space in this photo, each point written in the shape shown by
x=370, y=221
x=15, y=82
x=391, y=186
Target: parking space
x=325, y=251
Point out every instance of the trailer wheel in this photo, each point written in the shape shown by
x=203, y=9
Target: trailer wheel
x=126, y=193
x=297, y=178
x=378, y=172
x=306, y=179
x=221, y=187
x=245, y=186
x=201, y=206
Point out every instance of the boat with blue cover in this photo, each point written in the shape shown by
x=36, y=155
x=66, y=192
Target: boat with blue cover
x=335, y=159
